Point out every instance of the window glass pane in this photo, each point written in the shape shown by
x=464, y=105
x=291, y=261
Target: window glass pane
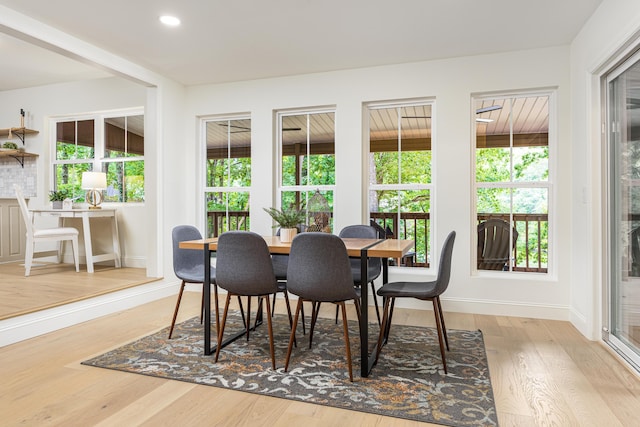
x=531, y=218
x=69, y=178
x=321, y=149
x=308, y=149
x=124, y=136
x=75, y=140
x=384, y=144
x=294, y=149
x=318, y=204
x=125, y=181
x=415, y=143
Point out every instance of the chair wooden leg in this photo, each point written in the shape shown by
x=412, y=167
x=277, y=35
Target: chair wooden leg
x=293, y=334
x=444, y=328
x=270, y=327
x=202, y=305
x=315, y=308
x=248, y=324
x=375, y=302
x=440, y=339
x=382, y=338
x=388, y=327
x=28, y=257
x=345, y=327
x=224, y=322
x=76, y=253
x=175, y=312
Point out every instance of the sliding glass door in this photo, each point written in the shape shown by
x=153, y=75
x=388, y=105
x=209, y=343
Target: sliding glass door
x=622, y=322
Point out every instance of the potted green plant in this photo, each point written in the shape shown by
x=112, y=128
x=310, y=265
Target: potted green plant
x=57, y=197
x=288, y=221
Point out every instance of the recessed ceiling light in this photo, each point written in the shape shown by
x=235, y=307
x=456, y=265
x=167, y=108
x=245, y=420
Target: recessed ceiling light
x=484, y=120
x=169, y=20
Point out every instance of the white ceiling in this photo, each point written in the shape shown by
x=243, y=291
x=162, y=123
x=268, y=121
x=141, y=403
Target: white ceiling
x=223, y=41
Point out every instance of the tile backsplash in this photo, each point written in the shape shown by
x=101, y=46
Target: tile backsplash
x=12, y=173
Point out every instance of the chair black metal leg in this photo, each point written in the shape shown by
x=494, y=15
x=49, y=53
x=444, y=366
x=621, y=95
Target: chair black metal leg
x=175, y=312
x=388, y=327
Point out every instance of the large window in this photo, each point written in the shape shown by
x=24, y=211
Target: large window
x=513, y=181
x=227, y=174
x=110, y=143
x=307, y=169
x=400, y=182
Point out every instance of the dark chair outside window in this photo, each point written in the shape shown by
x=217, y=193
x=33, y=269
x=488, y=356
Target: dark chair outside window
x=494, y=250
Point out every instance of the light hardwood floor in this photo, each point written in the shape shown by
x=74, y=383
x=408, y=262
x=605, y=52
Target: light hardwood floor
x=543, y=373
x=56, y=284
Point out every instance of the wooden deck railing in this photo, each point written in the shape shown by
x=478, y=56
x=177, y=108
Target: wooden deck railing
x=529, y=254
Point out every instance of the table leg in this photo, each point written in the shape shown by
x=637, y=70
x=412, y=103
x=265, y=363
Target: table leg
x=364, y=315
x=116, y=241
x=87, y=242
x=206, y=289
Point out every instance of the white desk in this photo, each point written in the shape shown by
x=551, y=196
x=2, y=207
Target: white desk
x=86, y=214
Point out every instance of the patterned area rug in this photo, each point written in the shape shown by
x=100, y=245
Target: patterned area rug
x=408, y=381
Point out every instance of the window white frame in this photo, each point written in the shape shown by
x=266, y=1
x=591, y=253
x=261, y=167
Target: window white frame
x=430, y=187
x=204, y=121
x=551, y=93
x=99, y=158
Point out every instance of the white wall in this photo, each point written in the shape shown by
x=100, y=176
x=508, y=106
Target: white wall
x=610, y=32
x=41, y=103
x=451, y=83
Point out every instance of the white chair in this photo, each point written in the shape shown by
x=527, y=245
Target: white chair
x=34, y=235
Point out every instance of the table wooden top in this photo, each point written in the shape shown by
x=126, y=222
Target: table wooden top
x=378, y=248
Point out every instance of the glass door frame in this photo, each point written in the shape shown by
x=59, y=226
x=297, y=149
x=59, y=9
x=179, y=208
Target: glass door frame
x=612, y=129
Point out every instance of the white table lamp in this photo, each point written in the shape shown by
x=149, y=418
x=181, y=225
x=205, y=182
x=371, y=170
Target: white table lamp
x=94, y=183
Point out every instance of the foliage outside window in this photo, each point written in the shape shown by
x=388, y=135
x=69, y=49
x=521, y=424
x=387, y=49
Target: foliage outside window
x=227, y=174
x=400, y=181
x=512, y=175
x=113, y=144
x=307, y=146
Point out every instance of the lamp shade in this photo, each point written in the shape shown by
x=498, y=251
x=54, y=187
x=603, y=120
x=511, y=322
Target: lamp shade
x=94, y=180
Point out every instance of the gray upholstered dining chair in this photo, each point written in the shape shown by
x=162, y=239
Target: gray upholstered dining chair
x=188, y=266
x=243, y=268
x=319, y=271
x=427, y=291
x=374, y=264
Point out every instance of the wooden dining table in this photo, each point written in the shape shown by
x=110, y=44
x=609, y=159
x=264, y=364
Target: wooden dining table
x=356, y=248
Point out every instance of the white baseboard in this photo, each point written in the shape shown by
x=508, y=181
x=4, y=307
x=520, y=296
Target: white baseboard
x=31, y=325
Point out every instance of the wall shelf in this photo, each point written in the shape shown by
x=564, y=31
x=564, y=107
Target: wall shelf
x=19, y=155
x=20, y=132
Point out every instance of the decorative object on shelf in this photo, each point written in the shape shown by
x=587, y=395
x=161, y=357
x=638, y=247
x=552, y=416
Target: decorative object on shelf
x=57, y=197
x=10, y=145
x=319, y=213
x=288, y=221
x=94, y=182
